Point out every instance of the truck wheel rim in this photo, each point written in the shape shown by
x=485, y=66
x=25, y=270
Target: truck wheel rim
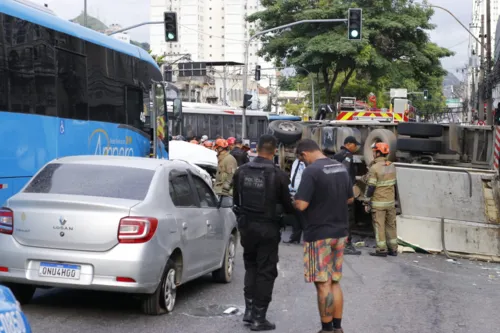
x=289, y=127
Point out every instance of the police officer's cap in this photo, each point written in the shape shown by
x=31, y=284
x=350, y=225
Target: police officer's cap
x=351, y=139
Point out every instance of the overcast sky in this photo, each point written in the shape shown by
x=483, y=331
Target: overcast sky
x=448, y=32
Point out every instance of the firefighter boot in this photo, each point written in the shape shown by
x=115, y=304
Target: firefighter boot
x=259, y=321
x=350, y=249
x=247, y=317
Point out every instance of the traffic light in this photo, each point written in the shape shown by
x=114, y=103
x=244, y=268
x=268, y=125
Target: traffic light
x=354, y=23
x=257, y=73
x=171, y=27
x=247, y=100
x=426, y=94
x=168, y=73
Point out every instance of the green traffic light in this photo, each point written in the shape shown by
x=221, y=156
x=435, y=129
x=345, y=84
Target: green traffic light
x=170, y=36
x=354, y=33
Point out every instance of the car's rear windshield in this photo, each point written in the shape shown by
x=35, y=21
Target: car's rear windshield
x=92, y=180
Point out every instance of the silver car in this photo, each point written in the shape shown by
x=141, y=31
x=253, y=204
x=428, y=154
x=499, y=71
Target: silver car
x=125, y=224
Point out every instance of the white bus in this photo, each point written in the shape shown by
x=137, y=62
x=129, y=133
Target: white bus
x=200, y=119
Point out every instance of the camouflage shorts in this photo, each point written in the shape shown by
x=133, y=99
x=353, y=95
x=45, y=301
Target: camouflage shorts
x=323, y=260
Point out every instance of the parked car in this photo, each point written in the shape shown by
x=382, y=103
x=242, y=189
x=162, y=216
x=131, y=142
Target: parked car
x=126, y=224
x=12, y=318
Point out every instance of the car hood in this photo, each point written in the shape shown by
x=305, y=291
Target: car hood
x=194, y=154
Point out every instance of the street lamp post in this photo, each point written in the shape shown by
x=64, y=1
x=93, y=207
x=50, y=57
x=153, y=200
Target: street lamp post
x=85, y=13
x=247, y=47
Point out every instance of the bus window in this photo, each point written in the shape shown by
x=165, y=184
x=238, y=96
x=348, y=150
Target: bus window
x=203, y=124
x=228, y=129
x=135, y=107
x=252, y=128
x=261, y=127
x=238, y=127
x=215, y=126
x=71, y=87
x=190, y=127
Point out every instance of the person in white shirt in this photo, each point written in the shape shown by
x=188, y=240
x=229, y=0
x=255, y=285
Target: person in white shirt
x=298, y=220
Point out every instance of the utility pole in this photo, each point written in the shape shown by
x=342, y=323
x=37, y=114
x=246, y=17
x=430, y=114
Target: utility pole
x=224, y=85
x=489, y=107
x=85, y=13
x=480, y=109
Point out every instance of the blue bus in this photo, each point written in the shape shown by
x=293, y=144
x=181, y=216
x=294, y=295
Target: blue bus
x=68, y=90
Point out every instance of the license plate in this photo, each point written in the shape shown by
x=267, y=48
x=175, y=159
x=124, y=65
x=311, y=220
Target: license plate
x=62, y=271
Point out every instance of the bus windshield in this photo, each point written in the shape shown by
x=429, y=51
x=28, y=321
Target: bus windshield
x=66, y=90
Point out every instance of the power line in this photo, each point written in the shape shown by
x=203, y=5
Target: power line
x=463, y=42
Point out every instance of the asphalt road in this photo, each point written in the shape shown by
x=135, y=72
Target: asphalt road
x=410, y=293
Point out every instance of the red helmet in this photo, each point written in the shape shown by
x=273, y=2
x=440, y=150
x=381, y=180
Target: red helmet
x=208, y=144
x=220, y=143
x=381, y=147
x=231, y=141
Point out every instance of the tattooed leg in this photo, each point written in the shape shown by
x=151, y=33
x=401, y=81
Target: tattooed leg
x=325, y=301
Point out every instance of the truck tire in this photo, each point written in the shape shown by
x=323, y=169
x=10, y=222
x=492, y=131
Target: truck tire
x=287, y=132
x=379, y=135
x=419, y=145
x=420, y=130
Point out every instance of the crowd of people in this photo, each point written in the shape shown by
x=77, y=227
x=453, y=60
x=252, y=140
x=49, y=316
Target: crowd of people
x=320, y=192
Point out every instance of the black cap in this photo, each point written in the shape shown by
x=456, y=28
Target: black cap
x=351, y=139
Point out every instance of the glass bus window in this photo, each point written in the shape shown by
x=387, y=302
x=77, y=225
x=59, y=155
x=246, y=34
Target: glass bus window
x=238, y=127
x=203, y=124
x=261, y=127
x=228, y=126
x=135, y=107
x=123, y=68
x=190, y=124
x=252, y=128
x=70, y=43
x=45, y=73
x=215, y=126
x=106, y=95
x=71, y=86
x=21, y=69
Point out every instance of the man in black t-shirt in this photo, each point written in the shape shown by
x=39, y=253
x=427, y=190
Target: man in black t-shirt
x=325, y=191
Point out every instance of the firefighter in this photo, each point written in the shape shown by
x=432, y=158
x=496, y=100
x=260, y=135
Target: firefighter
x=226, y=167
x=239, y=154
x=346, y=157
x=380, y=201
x=261, y=197
x=208, y=144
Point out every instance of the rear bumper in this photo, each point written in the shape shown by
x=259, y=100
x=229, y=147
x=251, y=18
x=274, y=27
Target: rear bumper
x=99, y=270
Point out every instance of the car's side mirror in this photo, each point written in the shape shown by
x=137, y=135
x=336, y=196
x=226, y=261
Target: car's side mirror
x=225, y=202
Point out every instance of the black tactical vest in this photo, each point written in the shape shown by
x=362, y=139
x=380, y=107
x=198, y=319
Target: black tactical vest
x=257, y=190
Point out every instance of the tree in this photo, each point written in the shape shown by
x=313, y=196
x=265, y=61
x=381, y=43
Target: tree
x=160, y=60
x=297, y=109
x=394, y=32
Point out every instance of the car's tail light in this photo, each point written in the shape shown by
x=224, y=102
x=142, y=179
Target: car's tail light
x=6, y=221
x=136, y=229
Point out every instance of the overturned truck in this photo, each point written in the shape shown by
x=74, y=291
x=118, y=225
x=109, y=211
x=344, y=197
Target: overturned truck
x=448, y=194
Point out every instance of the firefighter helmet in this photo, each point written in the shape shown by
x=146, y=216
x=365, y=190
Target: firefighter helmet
x=381, y=147
x=220, y=143
x=207, y=144
x=194, y=141
x=231, y=141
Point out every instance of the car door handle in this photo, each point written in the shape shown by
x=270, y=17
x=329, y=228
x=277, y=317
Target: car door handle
x=184, y=226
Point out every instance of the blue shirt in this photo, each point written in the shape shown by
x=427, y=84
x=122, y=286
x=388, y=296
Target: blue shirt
x=294, y=186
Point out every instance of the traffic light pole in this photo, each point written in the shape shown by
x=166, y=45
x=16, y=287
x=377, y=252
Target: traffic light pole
x=247, y=47
x=136, y=26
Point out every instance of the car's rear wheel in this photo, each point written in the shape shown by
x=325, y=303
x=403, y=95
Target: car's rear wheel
x=23, y=292
x=163, y=299
x=225, y=273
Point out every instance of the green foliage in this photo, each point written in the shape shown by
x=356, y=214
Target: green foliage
x=297, y=109
x=395, y=51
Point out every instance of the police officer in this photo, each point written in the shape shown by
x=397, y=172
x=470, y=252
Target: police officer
x=225, y=169
x=345, y=156
x=298, y=221
x=381, y=195
x=239, y=154
x=261, y=197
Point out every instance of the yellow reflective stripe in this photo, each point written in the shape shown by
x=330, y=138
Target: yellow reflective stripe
x=398, y=117
x=361, y=114
x=372, y=181
x=385, y=115
x=382, y=204
x=347, y=116
x=386, y=183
